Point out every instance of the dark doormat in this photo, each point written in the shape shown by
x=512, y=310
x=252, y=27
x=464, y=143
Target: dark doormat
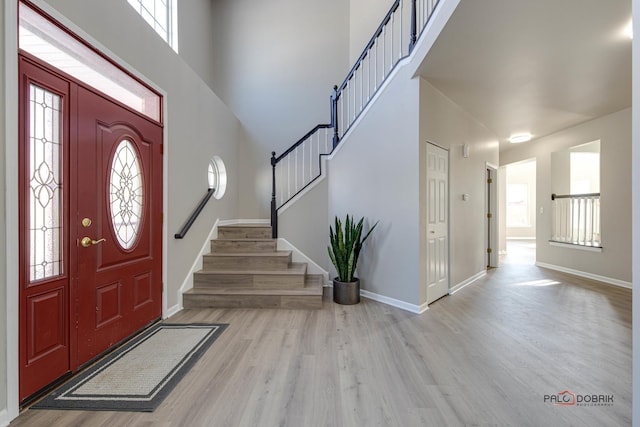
x=138, y=375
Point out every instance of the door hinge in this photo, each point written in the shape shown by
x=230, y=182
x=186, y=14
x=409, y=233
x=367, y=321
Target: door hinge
x=489, y=215
x=489, y=181
x=489, y=250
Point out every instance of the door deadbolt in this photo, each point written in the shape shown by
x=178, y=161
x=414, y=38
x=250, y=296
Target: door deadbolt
x=86, y=222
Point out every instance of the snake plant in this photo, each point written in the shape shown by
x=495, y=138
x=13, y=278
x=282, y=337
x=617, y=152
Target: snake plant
x=345, y=246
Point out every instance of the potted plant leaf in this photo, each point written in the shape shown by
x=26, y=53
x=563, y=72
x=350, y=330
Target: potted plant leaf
x=344, y=250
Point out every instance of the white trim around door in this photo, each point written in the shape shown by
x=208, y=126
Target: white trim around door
x=491, y=207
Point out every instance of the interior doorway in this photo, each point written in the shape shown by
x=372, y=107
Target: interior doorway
x=520, y=208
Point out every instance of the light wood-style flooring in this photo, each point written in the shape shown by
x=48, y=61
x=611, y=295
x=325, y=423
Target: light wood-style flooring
x=486, y=355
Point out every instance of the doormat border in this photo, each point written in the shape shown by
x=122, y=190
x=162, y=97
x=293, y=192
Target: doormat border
x=62, y=398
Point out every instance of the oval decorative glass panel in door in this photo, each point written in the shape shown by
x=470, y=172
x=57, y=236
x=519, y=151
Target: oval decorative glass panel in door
x=126, y=194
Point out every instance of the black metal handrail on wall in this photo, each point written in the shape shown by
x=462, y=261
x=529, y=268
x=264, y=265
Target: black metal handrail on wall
x=301, y=164
x=192, y=218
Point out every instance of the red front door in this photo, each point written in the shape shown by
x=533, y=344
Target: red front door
x=90, y=224
x=119, y=226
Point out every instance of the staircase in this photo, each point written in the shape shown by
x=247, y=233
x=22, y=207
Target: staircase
x=299, y=166
x=245, y=269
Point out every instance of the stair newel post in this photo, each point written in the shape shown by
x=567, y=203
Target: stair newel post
x=334, y=115
x=274, y=211
x=414, y=26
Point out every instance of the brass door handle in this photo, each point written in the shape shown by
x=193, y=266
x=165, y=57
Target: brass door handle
x=87, y=241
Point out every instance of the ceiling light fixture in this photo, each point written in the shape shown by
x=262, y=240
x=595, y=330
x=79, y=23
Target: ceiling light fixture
x=521, y=137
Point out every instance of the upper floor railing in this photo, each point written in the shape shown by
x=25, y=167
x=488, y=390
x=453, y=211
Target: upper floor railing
x=576, y=219
x=394, y=39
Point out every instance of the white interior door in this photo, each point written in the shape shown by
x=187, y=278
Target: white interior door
x=437, y=222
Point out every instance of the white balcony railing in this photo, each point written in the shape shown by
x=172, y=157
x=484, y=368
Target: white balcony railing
x=576, y=219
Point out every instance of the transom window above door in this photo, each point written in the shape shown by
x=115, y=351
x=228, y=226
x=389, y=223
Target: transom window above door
x=54, y=45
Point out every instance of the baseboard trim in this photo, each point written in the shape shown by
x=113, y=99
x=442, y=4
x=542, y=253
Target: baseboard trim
x=4, y=418
x=467, y=282
x=417, y=309
x=173, y=309
x=187, y=283
x=298, y=256
x=591, y=276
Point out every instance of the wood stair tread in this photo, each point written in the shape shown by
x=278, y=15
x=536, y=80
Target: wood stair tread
x=283, y=254
x=245, y=231
x=246, y=226
x=247, y=239
x=294, y=269
x=312, y=289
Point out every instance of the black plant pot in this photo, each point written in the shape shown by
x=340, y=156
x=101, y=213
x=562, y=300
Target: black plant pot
x=346, y=293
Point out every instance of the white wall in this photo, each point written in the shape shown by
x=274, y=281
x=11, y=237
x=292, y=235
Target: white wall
x=562, y=173
x=444, y=123
x=276, y=65
x=305, y=224
x=197, y=126
x=636, y=217
x=3, y=241
x=196, y=34
x=364, y=18
x=392, y=137
x=375, y=174
x=614, y=133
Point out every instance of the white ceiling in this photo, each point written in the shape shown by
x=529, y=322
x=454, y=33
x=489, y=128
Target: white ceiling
x=535, y=66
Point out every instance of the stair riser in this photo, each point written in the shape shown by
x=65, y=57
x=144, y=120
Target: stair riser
x=246, y=263
x=248, y=281
x=239, y=246
x=253, y=301
x=245, y=270
x=244, y=233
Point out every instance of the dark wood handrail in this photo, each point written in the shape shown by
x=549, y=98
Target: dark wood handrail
x=301, y=140
x=573, y=196
x=369, y=45
x=187, y=225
